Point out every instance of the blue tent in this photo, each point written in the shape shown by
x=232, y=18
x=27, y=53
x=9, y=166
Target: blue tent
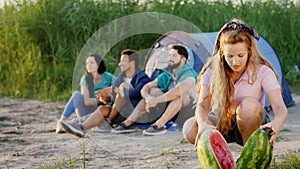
x=200, y=46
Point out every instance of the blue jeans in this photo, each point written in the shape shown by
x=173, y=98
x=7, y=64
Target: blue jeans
x=76, y=104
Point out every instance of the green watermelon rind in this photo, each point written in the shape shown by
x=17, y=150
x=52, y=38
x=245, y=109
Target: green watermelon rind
x=254, y=156
x=206, y=156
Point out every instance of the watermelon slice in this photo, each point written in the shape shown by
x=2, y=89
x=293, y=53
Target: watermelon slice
x=213, y=151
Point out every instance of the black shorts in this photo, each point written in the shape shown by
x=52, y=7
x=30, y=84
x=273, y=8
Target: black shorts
x=234, y=135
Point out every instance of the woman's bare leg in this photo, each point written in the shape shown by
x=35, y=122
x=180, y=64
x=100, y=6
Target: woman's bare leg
x=190, y=130
x=250, y=115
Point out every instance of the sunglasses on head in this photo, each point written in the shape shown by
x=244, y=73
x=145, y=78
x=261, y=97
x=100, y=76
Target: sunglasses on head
x=236, y=25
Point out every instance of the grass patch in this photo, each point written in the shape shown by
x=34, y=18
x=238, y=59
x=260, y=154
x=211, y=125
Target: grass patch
x=280, y=138
x=183, y=141
x=7, y=164
x=285, y=130
x=58, y=165
x=295, y=87
x=291, y=161
x=70, y=161
x=168, y=152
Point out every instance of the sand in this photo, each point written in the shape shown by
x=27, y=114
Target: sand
x=28, y=140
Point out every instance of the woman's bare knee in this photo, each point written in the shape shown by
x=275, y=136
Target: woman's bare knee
x=190, y=130
x=249, y=109
x=249, y=117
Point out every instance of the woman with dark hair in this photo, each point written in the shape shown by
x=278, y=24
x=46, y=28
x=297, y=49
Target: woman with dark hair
x=86, y=101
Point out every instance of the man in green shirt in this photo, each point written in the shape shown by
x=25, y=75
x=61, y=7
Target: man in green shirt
x=170, y=92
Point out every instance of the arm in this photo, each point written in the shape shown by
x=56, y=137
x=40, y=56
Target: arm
x=280, y=113
x=138, y=84
x=87, y=100
x=145, y=92
x=115, y=86
x=178, y=91
x=202, y=110
x=203, y=107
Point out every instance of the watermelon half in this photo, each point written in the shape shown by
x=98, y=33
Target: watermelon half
x=257, y=152
x=213, y=151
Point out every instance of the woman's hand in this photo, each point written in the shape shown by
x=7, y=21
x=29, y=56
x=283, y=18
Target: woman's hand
x=280, y=114
x=274, y=130
x=201, y=129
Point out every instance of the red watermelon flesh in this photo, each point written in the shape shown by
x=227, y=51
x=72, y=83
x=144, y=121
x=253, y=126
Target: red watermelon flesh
x=221, y=150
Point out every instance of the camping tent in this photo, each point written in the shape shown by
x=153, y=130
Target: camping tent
x=200, y=46
x=157, y=56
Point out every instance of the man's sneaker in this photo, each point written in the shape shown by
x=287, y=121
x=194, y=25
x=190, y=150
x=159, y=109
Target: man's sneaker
x=59, y=128
x=73, y=128
x=122, y=128
x=103, y=127
x=153, y=130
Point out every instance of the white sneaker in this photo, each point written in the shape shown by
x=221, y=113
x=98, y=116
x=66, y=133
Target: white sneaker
x=59, y=128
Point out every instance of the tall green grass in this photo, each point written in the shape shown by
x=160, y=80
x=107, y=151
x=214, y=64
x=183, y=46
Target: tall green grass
x=40, y=41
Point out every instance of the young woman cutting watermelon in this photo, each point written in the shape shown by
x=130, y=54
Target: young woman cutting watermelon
x=232, y=87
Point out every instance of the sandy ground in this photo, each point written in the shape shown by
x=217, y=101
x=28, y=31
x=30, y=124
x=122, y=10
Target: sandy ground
x=28, y=140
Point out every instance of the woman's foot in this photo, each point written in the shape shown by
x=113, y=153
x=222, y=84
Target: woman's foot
x=59, y=128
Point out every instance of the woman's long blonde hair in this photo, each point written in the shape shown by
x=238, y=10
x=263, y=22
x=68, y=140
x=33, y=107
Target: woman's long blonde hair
x=221, y=88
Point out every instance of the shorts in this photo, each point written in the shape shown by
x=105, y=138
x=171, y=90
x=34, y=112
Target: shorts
x=126, y=111
x=234, y=135
x=187, y=111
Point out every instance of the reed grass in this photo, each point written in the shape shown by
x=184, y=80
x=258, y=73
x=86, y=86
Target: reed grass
x=40, y=41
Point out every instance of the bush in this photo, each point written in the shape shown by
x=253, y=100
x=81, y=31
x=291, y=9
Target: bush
x=41, y=40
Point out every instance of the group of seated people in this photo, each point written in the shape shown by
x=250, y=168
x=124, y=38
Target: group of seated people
x=133, y=98
x=231, y=89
